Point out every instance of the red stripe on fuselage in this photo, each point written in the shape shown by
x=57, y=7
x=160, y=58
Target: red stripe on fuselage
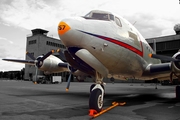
x=120, y=43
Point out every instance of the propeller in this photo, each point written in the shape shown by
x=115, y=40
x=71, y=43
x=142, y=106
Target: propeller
x=72, y=70
x=162, y=57
x=68, y=82
x=63, y=58
x=39, y=61
x=36, y=76
x=166, y=58
x=61, y=54
x=47, y=55
x=30, y=55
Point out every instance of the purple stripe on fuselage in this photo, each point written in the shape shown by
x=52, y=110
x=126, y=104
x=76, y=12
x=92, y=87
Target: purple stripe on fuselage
x=117, y=42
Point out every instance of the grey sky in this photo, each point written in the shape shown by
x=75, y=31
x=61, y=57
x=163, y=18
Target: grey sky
x=17, y=17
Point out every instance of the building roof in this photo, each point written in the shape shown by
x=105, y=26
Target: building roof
x=164, y=38
x=39, y=31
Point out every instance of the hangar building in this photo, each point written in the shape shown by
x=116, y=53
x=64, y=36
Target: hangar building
x=39, y=43
x=167, y=45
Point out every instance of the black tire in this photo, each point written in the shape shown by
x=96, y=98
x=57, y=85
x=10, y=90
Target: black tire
x=94, y=100
x=92, y=86
x=178, y=92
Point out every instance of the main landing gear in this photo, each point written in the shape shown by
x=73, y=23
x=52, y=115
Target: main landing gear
x=96, y=94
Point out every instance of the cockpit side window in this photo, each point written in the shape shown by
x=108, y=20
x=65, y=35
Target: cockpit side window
x=118, y=22
x=111, y=17
x=88, y=15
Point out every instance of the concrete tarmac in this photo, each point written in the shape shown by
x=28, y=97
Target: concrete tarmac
x=23, y=100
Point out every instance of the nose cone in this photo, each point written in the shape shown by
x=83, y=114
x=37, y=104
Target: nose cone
x=68, y=30
x=63, y=28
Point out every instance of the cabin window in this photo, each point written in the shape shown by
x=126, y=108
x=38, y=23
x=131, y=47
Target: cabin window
x=118, y=22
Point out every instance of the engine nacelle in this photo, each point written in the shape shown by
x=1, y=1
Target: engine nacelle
x=50, y=65
x=176, y=65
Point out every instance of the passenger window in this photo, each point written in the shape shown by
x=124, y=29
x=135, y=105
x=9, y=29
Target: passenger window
x=118, y=22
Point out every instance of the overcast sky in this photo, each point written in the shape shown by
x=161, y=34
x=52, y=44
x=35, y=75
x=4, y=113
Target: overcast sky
x=153, y=18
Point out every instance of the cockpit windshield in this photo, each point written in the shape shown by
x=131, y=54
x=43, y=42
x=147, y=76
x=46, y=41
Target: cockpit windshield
x=103, y=15
x=99, y=15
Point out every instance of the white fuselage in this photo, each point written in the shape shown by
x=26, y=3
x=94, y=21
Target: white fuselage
x=121, y=49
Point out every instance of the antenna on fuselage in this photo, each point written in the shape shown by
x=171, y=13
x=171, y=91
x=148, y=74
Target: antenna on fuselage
x=154, y=45
x=134, y=23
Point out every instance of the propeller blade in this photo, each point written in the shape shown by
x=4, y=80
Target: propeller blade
x=61, y=54
x=30, y=55
x=68, y=82
x=162, y=57
x=29, y=62
x=35, y=82
x=47, y=55
x=171, y=77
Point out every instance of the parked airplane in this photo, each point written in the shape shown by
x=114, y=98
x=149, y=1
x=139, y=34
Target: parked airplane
x=102, y=44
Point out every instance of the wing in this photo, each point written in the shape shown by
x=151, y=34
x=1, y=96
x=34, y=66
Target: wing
x=29, y=62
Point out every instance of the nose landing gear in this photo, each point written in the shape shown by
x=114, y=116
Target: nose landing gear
x=97, y=94
x=96, y=98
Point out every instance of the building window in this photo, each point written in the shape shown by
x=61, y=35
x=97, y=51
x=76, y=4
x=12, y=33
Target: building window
x=54, y=44
x=160, y=46
x=32, y=42
x=170, y=45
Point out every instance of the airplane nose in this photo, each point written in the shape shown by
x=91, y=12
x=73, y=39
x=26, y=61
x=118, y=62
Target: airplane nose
x=63, y=28
x=68, y=30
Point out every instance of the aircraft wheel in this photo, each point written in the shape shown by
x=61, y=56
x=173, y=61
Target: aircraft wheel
x=178, y=92
x=96, y=100
x=92, y=86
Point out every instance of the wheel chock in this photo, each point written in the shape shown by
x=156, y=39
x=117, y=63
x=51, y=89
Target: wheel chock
x=93, y=113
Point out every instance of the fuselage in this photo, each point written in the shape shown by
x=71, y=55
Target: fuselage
x=112, y=41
